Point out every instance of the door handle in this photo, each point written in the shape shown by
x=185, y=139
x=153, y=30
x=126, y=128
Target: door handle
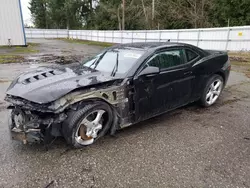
x=188, y=73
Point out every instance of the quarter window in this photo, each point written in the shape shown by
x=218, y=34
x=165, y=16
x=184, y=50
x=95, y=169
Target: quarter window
x=167, y=59
x=191, y=55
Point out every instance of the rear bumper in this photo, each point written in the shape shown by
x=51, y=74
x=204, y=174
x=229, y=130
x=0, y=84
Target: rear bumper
x=227, y=73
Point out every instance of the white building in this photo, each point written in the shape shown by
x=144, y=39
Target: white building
x=11, y=23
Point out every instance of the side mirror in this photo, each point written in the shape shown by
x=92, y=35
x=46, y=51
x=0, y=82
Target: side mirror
x=150, y=70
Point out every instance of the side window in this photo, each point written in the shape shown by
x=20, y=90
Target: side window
x=191, y=55
x=167, y=59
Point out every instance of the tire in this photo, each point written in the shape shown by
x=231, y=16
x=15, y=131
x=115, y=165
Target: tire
x=71, y=127
x=211, y=91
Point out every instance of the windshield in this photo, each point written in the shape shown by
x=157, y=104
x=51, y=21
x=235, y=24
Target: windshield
x=115, y=61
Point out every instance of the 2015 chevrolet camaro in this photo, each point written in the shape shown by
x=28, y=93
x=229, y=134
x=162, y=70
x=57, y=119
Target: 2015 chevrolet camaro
x=119, y=87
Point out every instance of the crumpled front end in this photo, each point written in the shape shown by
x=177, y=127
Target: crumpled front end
x=40, y=122
x=33, y=127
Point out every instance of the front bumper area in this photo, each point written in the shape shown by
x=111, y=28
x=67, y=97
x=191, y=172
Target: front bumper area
x=29, y=136
x=34, y=127
x=28, y=132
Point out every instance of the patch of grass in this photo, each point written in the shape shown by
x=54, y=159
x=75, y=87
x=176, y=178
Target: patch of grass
x=11, y=59
x=29, y=44
x=240, y=62
x=239, y=54
x=87, y=42
x=239, y=57
x=24, y=50
x=4, y=47
x=4, y=81
x=30, y=48
x=32, y=44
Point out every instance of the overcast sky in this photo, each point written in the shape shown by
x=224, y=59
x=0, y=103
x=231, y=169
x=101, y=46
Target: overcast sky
x=26, y=12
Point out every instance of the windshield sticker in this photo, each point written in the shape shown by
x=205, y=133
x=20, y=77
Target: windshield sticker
x=132, y=55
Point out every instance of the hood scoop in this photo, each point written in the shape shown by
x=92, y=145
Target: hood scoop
x=30, y=79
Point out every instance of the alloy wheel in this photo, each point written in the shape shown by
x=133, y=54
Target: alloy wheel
x=214, y=91
x=89, y=127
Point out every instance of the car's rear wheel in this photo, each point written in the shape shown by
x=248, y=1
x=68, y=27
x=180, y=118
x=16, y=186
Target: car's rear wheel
x=212, y=90
x=84, y=126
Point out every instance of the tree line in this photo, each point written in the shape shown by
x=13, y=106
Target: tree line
x=138, y=14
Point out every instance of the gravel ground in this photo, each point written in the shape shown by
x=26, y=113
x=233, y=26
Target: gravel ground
x=189, y=147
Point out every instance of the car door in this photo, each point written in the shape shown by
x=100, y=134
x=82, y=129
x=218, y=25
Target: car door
x=171, y=88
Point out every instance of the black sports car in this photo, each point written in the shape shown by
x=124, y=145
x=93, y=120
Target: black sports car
x=119, y=87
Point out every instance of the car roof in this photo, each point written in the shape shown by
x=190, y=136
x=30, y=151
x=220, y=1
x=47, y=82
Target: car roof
x=148, y=45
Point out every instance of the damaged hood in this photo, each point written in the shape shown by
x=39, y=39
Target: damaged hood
x=46, y=84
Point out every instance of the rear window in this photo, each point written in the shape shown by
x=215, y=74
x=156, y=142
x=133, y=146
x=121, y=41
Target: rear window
x=191, y=55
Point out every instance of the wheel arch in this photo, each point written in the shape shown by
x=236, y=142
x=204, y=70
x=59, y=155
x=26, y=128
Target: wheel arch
x=75, y=112
x=220, y=73
x=115, y=113
x=84, y=102
x=211, y=79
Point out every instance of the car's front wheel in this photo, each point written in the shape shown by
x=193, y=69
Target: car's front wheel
x=84, y=126
x=212, y=90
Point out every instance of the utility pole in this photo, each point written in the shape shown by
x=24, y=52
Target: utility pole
x=153, y=9
x=153, y=14
x=123, y=14
x=46, y=23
